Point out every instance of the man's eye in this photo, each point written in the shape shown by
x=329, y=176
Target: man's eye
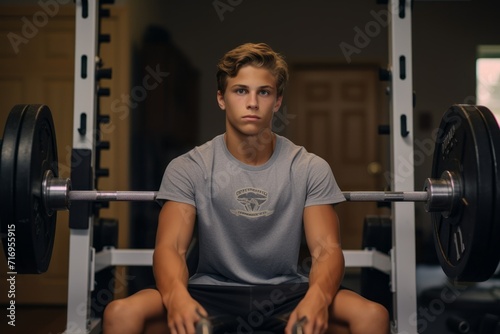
x=240, y=91
x=264, y=92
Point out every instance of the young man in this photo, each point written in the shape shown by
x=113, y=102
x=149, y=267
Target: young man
x=252, y=194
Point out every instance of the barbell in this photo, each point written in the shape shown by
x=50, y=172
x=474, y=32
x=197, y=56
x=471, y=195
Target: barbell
x=462, y=194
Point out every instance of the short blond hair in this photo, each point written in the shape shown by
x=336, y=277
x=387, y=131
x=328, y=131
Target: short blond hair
x=258, y=55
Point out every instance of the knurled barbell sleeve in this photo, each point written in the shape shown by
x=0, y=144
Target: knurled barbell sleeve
x=385, y=196
x=91, y=195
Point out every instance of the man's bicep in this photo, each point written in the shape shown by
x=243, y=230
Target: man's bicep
x=321, y=227
x=175, y=226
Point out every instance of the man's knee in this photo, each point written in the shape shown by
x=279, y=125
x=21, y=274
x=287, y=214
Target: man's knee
x=380, y=311
x=116, y=310
x=377, y=313
x=121, y=316
x=135, y=314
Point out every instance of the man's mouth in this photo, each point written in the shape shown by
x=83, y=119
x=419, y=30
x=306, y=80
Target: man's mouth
x=251, y=117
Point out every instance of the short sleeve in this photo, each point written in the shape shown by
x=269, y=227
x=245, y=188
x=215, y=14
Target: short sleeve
x=322, y=188
x=177, y=183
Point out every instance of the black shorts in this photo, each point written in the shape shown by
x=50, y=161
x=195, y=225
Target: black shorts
x=249, y=309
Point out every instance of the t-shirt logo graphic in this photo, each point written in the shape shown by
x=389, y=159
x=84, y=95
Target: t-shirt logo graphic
x=251, y=199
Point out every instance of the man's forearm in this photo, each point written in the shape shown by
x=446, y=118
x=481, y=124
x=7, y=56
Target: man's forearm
x=326, y=274
x=170, y=270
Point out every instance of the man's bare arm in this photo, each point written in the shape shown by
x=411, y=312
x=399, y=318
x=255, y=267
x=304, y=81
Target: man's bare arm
x=174, y=235
x=321, y=228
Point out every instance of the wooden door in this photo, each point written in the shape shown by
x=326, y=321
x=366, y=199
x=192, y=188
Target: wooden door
x=41, y=70
x=334, y=113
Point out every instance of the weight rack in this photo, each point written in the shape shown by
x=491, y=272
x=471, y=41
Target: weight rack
x=85, y=127
x=400, y=264
x=403, y=256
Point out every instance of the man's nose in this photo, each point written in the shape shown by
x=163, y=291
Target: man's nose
x=252, y=102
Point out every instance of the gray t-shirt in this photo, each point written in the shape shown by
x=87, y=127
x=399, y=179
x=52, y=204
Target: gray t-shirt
x=249, y=217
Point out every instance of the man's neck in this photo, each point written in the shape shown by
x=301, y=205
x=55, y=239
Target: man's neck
x=251, y=150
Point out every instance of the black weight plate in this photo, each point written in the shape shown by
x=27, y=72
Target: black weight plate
x=494, y=134
x=462, y=239
x=7, y=176
x=35, y=228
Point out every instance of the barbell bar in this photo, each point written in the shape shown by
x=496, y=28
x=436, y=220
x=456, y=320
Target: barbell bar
x=144, y=196
x=58, y=195
x=462, y=194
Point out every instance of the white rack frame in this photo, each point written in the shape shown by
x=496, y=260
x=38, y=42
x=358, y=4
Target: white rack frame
x=80, y=278
x=144, y=257
x=403, y=278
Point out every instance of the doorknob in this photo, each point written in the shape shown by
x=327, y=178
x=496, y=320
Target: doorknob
x=374, y=168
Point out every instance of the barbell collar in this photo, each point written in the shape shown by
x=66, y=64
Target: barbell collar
x=55, y=193
x=445, y=194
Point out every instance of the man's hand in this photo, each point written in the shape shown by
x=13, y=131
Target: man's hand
x=314, y=308
x=183, y=312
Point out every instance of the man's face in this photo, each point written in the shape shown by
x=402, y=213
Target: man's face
x=250, y=100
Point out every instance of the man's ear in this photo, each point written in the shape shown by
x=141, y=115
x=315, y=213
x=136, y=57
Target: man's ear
x=220, y=100
x=277, y=105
